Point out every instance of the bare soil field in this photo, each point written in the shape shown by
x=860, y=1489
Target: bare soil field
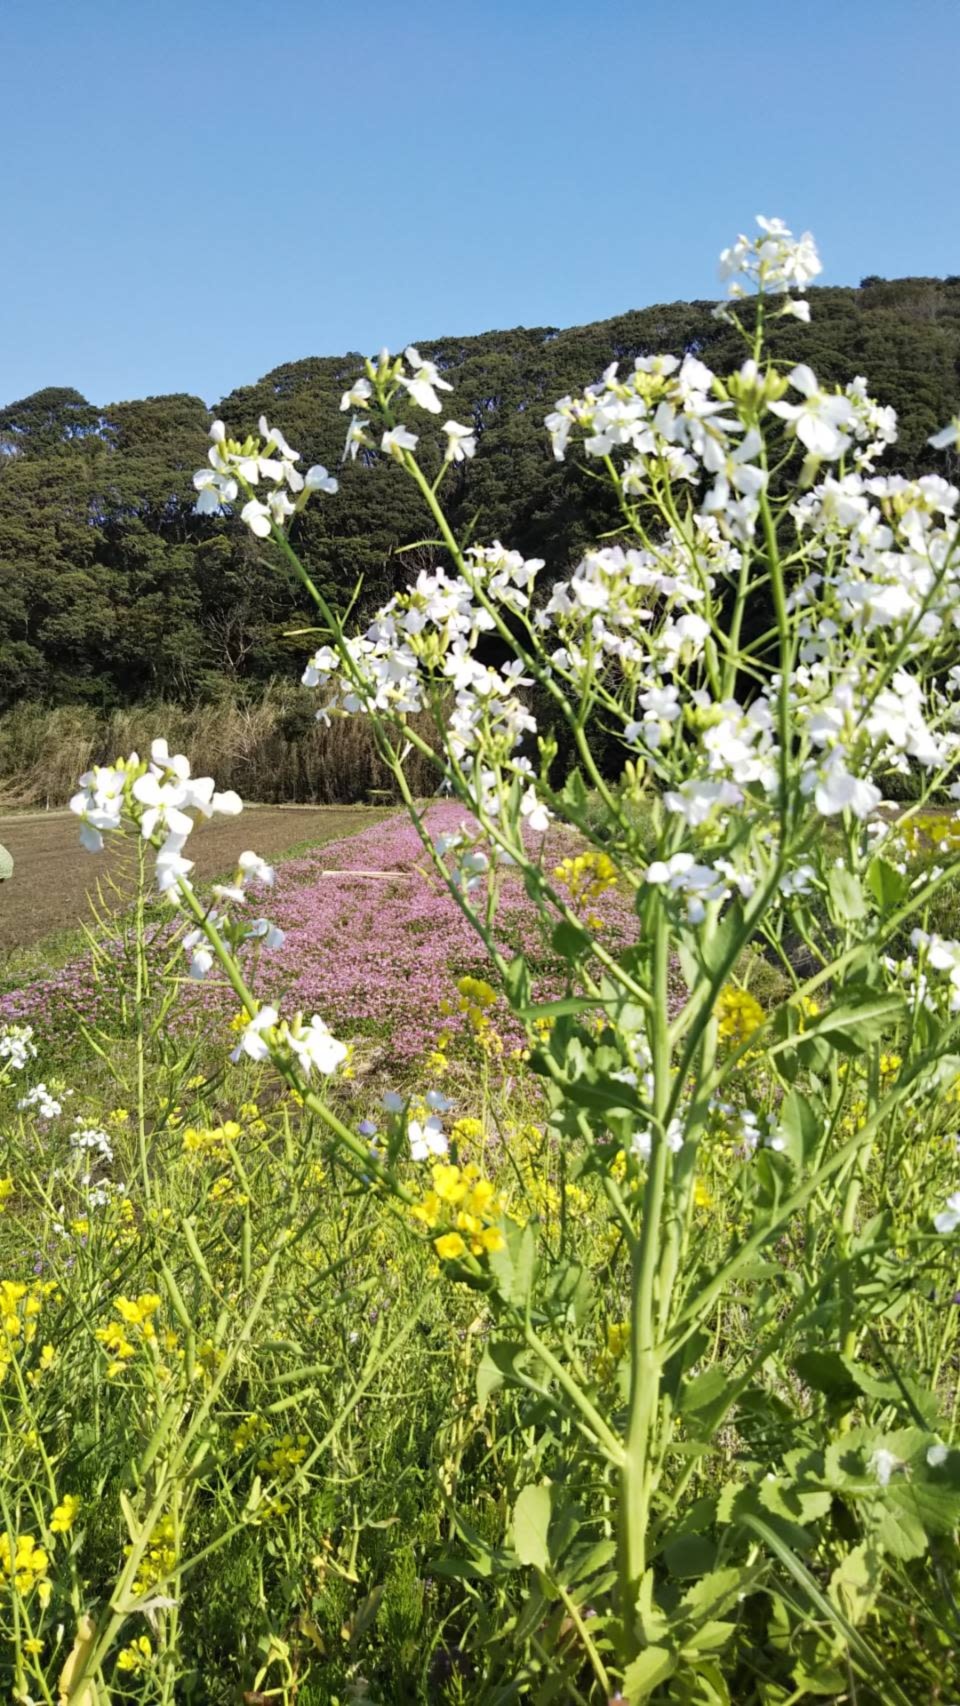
x=53, y=875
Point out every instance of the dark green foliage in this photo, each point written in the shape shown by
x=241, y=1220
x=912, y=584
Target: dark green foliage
x=112, y=589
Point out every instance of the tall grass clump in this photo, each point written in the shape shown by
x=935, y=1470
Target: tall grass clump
x=270, y=748
x=603, y=1347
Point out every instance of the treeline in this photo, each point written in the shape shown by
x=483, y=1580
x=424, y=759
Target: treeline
x=113, y=591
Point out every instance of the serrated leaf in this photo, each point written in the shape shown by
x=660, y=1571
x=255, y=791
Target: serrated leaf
x=512, y=1267
x=654, y=1665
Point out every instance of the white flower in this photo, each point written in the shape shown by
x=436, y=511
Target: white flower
x=255, y=869
x=397, y=440
x=215, y=490
x=357, y=437
x=534, y=812
x=695, y=801
x=425, y=383
x=949, y=1218
x=197, y=948
x=316, y=1049
x=461, y=442
x=260, y=517
x=937, y=1455
x=276, y=441
x=163, y=802
x=358, y=396
x=882, y=1464
x=426, y=1138
x=47, y=1106
x=170, y=863
x=252, y=1042
x=317, y=479
x=796, y=309
x=948, y=438
x=817, y=421
x=17, y=1046
x=837, y=790
x=269, y=934
x=642, y=1141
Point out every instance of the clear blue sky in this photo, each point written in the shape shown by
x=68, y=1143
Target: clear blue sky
x=193, y=193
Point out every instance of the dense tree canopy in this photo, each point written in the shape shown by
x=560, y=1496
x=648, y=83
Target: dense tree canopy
x=113, y=590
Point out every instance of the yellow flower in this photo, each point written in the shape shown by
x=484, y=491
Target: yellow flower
x=25, y=1565
x=33, y=1646
x=450, y=1246
x=739, y=1014
x=118, y=1116
x=65, y=1514
x=6, y=1190
x=137, y=1656
x=475, y=992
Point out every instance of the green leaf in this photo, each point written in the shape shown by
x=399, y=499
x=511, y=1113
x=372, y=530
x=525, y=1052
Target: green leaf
x=531, y=1524
x=856, y=1022
x=570, y=942
x=827, y=1372
x=846, y=896
x=801, y=1125
x=705, y=1394
x=513, y=1267
x=646, y=1673
x=497, y=1367
x=887, y=885
x=691, y=1556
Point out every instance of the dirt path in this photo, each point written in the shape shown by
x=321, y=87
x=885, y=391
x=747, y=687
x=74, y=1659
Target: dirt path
x=53, y=876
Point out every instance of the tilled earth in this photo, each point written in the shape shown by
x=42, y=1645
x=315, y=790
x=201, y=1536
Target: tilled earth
x=54, y=878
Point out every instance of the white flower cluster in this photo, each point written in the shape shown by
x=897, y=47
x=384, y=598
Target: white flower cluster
x=234, y=465
x=425, y=1133
x=17, y=1046
x=420, y=385
x=772, y=263
x=425, y=636
x=40, y=1099
x=311, y=1045
x=898, y=569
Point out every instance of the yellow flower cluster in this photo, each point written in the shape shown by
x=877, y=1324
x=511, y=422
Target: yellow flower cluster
x=286, y=1454
x=23, y=1565
x=20, y=1306
x=924, y=833
x=739, y=1014
x=587, y=877
x=461, y=1195
x=135, y=1326
x=246, y=1432
x=160, y=1558
x=137, y=1657
x=210, y=1140
x=226, y=1192
x=249, y=1113
x=65, y=1514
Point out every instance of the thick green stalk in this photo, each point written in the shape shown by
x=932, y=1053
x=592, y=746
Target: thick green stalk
x=637, y=1474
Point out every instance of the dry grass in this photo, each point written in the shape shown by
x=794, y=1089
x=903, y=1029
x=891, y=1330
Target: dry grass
x=271, y=750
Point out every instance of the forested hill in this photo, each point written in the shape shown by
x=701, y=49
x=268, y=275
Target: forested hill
x=113, y=590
